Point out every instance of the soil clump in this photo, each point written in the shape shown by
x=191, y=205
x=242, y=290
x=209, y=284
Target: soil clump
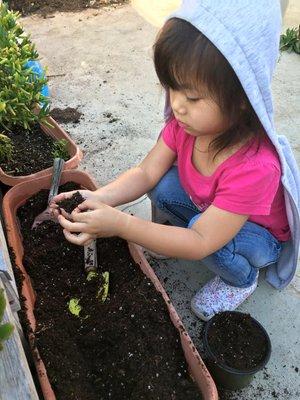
x=67, y=115
x=69, y=204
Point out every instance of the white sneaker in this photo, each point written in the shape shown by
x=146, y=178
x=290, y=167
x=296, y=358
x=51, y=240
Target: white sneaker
x=217, y=296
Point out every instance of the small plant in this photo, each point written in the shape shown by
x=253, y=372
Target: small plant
x=290, y=41
x=5, y=329
x=60, y=149
x=6, y=148
x=20, y=87
x=102, y=292
x=74, y=307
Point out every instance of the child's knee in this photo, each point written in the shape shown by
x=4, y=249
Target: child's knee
x=234, y=268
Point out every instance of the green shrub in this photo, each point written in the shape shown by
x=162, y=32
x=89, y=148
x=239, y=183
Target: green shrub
x=20, y=87
x=60, y=149
x=6, y=148
x=5, y=329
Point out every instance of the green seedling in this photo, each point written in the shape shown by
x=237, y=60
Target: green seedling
x=74, y=307
x=5, y=329
x=60, y=149
x=290, y=40
x=103, y=290
x=6, y=148
x=20, y=87
x=92, y=275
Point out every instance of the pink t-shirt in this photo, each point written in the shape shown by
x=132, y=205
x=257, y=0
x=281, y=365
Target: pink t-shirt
x=247, y=182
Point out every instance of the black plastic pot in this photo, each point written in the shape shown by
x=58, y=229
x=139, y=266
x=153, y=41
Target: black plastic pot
x=225, y=376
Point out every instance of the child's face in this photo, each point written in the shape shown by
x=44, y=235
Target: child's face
x=198, y=115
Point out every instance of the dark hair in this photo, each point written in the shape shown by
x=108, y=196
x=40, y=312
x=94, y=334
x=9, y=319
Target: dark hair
x=185, y=59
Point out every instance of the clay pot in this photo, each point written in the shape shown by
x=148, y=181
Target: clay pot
x=57, y=132
x=225, y=376
x=17, y=196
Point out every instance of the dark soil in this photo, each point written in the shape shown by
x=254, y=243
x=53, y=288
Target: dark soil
x=125, y=348
x=45, y=7
x=69, y=204
x=236, y=341
x=66, y=115
x=32, y=151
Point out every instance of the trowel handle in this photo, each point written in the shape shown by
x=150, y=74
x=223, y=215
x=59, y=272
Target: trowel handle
x=90, y=257
x=58, y=165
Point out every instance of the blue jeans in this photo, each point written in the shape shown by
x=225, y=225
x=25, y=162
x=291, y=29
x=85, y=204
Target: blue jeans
x=254, y=247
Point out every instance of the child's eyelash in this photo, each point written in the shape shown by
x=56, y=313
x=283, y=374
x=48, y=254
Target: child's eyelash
x=193, y=99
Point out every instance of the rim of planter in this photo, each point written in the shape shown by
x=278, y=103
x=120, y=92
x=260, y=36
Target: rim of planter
x=212, y=356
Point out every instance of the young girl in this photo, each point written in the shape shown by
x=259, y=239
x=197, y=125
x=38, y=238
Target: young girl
x=232, y=198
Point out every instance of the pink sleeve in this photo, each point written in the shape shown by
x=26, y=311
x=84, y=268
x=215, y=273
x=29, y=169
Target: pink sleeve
x=169, y=135
x=249, y=189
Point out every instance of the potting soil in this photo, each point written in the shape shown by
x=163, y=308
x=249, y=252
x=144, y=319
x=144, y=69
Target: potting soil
x=237, y=342
x=124, y=348
x=32, y=151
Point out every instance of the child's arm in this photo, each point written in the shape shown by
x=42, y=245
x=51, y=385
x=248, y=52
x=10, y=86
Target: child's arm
x=133, y=183
x=213, y=230
x=210, y=232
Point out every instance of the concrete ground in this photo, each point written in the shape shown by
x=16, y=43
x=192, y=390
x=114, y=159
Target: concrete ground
x=100, y=61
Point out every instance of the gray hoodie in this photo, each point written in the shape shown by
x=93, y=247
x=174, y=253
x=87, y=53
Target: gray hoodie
x=247, y=33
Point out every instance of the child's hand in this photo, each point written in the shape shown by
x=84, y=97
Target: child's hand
x=86, y=194
x=92, y=219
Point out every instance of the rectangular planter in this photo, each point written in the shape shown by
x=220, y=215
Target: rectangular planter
x=57, y=133
x=17, y=196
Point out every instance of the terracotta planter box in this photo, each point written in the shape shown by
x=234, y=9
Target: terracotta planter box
x=17, y=196
x=56, y=133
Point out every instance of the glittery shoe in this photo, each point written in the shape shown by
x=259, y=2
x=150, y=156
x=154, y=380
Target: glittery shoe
x=217, y=296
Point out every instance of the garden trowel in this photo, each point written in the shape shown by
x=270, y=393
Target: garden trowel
x=47, y=214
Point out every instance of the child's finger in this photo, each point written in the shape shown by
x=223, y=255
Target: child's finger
x=89, y=204
x=80, y=216
x=62, y=196
x=80, y=239
x=76, y=210
x=88, y=242
x=71, y=226
x=56, y=211
x=64, y=213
